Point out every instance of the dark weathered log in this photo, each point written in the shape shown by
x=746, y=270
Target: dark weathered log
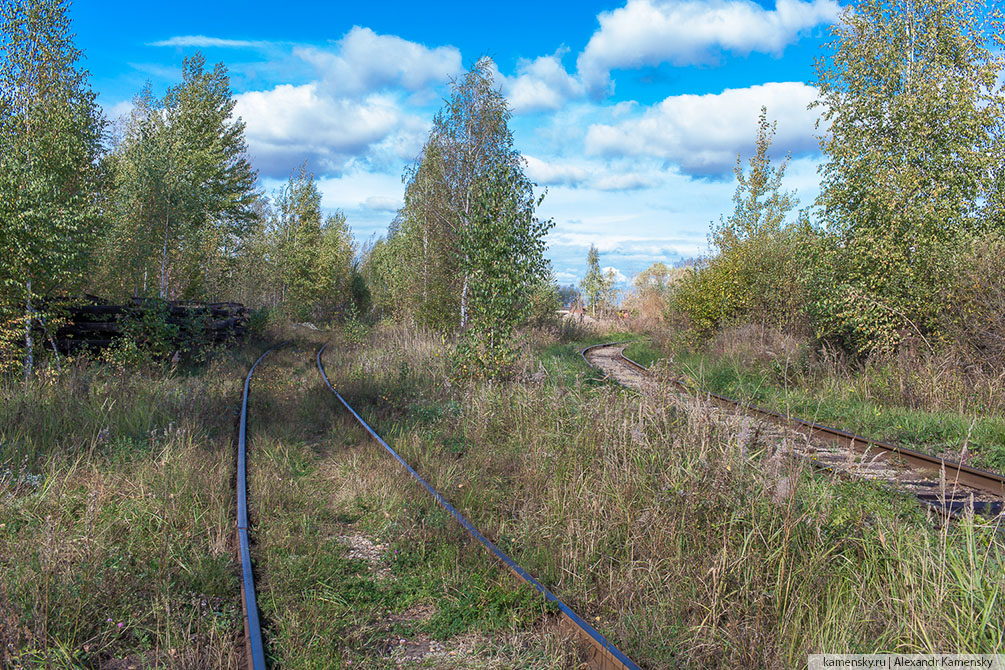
x=215, y=321
x=89, y=326
x=99, y=309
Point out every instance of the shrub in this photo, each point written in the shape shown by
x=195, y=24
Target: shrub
x=972, y=316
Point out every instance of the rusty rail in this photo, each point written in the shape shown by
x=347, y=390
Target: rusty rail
x=958, y=473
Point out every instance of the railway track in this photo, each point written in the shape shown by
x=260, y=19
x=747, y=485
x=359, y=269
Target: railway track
x=951, y=488
x=254, y=645
x=600, y=653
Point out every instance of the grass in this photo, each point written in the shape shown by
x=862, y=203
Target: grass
x=847, y=403
x=643, y=352
x=690, y=542
x=898, y=401
x=116, y=536
x=116, y=539
x=325, y=490
x=563, y=358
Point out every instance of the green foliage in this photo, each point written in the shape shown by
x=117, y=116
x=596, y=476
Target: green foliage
x=754, y=274
x=425, y=266
x=866, y=403
x=503, y=260
x=182, y=197
x=150, y=331
x=543, y=304
x=592, y=285
x=50, y=139
x=972, y=313
x=258, y=320
x=353, y=328
x=651, y=291
x=151, y=334
x=914, y=123
x=313, y=255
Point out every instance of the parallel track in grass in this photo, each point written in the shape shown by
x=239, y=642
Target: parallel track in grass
x=949, y=486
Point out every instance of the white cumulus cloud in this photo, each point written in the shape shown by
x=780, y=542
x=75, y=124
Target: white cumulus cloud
x=631, y=181
x=364, y=61
x=619, y=276
x=547, y=173
x=703, y=134
x=683, y=32
x=358, y=108
x=541, y=84
x=381, y=203
x=289, y=124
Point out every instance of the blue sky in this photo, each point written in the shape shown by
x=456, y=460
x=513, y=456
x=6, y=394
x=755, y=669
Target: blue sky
x=631, y=114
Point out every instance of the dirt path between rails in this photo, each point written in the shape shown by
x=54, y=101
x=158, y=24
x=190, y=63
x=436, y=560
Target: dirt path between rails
x=607, y=359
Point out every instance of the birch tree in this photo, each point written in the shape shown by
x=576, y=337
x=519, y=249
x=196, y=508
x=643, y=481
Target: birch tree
x=592, y=285
x=183, y=191
x=313, y=255
x=913, y=116
x=469, y=143
x=50, y=141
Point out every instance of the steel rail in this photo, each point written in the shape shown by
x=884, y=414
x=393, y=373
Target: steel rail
x=252, y=625
x=989, y=482
x=603, y=654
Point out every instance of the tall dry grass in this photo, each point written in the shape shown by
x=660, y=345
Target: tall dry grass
x=115, y=517
x=694, y=543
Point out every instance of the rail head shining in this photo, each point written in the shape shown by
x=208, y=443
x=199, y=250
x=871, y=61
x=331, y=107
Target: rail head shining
x=252, y=624
x=605, y=656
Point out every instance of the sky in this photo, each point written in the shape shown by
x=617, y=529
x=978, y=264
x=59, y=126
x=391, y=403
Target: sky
x=630, y=114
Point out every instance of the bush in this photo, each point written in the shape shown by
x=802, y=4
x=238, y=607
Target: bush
x=972, y=317
x=756, y=281
x=150, y=333
x=545, y=302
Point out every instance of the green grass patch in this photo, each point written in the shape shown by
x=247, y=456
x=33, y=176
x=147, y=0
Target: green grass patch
x=677, y=541
x=643, y=353
x=563, y=359
x=843, y=407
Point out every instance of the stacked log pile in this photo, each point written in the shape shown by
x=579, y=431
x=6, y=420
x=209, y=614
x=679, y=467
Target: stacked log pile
x=96, y=325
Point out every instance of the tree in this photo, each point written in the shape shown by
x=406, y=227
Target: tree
x=470, y=146
x=50, y=140
x=912, y=114
x=651, y=291
x=598, y=286
x=753, y=271
x=313, y=255
x=760, y=204
x=503, y=262
x=592, y=284
x=183, y=196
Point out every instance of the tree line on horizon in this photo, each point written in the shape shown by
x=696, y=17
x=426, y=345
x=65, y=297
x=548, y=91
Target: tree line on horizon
x=165, y=203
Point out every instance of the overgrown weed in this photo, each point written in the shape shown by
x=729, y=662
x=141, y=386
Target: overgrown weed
x=686, y=539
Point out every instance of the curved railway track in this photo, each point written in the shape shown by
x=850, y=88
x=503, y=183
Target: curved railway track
x=254, y=646
x=946, y=485
x=601, y=654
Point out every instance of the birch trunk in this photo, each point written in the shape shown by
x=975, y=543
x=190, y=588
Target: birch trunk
x=29, y=353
